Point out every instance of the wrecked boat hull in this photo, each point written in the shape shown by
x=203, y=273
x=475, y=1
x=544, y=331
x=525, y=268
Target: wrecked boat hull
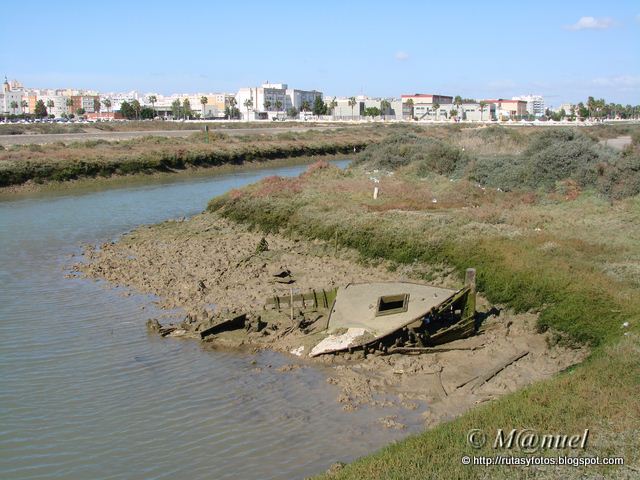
x=390, y=315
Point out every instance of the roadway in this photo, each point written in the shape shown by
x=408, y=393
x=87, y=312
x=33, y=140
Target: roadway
x=44, y=138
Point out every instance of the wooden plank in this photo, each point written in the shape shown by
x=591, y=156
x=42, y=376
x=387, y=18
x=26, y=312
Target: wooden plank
x=492, y=373
x=429, y=349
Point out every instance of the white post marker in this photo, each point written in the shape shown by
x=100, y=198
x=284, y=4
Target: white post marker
x=375, y=193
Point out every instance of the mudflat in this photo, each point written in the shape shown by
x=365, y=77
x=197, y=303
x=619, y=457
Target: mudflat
x=208, y=266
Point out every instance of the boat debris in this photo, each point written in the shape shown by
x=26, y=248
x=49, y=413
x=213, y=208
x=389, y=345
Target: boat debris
x=374, y=318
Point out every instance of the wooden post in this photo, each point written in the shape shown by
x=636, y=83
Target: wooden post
x=335, y=243
x=470, y=278
x=291, y=302
x=470, y=282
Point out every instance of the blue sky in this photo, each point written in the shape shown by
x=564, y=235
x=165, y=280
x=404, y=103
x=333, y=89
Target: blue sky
x=565, y=50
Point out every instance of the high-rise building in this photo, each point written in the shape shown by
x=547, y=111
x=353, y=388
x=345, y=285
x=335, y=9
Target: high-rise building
x=535, y=104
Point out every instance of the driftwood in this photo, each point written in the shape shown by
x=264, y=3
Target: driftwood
x=234, y=323
x=485, y=378
x=460, y=385
x=439, y=374
x=419, y=350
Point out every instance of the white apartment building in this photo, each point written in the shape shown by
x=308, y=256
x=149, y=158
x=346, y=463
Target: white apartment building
x=271, y=98
x=535, y=104
x=118, y=97
x=566, y=107
x=59, y=104
x=87, y=103
x=7, y=97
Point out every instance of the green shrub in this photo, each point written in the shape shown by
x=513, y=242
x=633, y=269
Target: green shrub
x=503, y=171
x=429, y=155
x=621, y=179
x=562, y=154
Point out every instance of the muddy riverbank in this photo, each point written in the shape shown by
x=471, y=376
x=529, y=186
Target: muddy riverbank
x=79, y=185
x=207, y=266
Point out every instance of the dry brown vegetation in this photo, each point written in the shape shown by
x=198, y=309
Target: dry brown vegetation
x=569, y=252
x=60, y=162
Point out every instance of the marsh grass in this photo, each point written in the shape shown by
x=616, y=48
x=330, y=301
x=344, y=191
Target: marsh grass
x=534, y=251
x=93, y=158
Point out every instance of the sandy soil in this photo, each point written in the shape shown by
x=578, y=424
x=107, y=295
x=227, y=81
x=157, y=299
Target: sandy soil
x=210, y=269
x=617, y=143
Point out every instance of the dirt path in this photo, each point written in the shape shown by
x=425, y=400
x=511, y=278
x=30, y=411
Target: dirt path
x=617, y=143
x=207, y=265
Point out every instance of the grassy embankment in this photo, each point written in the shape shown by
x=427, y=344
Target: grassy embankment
x=99, y=158
x=137, y=126
x=550, y=220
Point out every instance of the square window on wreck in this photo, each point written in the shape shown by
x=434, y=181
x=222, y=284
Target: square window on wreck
x=392, y=304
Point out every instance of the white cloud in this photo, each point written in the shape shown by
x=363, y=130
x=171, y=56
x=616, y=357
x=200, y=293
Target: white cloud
x=402, y=56
x=591, y=23
x=622, y=82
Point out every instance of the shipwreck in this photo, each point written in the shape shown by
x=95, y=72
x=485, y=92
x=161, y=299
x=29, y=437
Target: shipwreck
x=374, y=317
x=391, y=317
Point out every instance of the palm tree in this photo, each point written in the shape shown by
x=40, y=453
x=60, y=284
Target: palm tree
x=483, y=105
x=248, y=103
x=332, y=105
x=176, y=109
x=591, y=106
x=186, y=108
x=436, y=107
x=384, y=108
x=601, y=106
x=152, y=99
x=410, y=105
x=232, y=107
x=278, y=105
x=458, y=103
x=14, y=106
x=96, y=104
x=352, y=103
x=203, y=101
x=267, y=105
x=107, y=104
x=50, y=106
x=24, y=104
x=305, y=106
x=69, y=103
x=136, y=108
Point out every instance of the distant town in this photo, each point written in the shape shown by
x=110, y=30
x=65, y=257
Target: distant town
x=277, y=101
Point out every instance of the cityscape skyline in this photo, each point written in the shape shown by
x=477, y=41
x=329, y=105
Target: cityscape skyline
x=565, y=51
